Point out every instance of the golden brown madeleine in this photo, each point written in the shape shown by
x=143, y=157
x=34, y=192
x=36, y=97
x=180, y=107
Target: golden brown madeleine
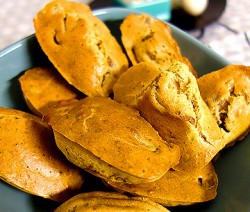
x=111, y=140
x=147, y=39
x=170, y=100
x=176, y=188
x=80, y=46
x=227, y=94
x=30, y=159
x=109, y=201
x=131, y=86
x=43, y=87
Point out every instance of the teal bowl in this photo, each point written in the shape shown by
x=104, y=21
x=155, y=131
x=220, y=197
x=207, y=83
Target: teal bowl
x=232, y=166
x=158, y=8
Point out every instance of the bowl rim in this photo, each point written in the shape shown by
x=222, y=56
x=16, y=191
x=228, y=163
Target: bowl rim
x=102, y=12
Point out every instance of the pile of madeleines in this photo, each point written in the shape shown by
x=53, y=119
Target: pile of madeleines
x=136, y=115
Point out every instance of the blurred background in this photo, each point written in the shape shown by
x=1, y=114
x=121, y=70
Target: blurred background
x=223, y=25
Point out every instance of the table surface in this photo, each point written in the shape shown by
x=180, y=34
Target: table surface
x=229, y=36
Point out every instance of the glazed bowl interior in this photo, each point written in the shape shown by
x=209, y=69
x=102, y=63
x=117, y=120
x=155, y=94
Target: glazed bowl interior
x=232, y=165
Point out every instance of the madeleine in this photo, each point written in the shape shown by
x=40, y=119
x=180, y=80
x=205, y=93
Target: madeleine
x=30, y=159
x=111, y=140
x=109, y=201
x=80, y=46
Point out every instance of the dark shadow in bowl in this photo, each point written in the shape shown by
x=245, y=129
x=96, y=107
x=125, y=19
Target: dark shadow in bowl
x=16, y=94
x=40, y=204
x=35, y=49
